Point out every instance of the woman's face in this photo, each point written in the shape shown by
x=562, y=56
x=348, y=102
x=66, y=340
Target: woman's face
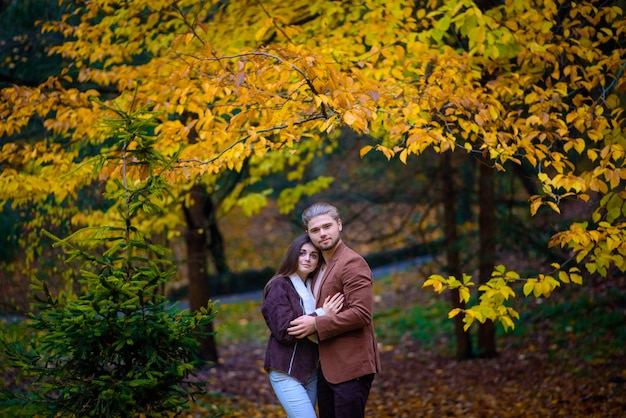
x=308, y=259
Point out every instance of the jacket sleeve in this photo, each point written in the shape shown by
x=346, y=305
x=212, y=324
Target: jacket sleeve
x=355, y=282
x=278, y=311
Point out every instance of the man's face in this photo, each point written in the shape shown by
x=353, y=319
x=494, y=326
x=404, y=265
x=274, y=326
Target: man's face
x=324, y=231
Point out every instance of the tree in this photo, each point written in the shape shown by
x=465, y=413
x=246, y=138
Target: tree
x=534, y=82
x=487, y=253
x=453, y=263
x=117, y=348
x=63, y=101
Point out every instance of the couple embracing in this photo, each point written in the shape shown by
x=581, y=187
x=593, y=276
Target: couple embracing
x=318, y=308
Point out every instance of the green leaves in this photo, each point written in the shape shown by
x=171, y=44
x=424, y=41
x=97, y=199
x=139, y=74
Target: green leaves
x=116, y=348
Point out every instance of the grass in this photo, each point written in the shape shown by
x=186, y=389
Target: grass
x=404, y=311
x=238, y=322
x=426, y=323
x=574, y=314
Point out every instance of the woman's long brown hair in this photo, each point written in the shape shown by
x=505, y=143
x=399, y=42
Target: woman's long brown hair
x=289, y=264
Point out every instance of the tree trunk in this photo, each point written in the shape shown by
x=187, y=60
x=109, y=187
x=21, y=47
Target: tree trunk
x=215, y=245
x=486, y=330
x=215, y=242
x=197, y=262
x=449, y=195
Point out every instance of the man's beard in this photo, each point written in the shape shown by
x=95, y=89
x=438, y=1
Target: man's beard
x=328, y=244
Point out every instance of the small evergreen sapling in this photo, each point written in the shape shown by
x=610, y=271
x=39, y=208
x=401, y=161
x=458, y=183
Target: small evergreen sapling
x=115, y=349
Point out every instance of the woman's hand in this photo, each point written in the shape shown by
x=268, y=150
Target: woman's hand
x=333, y=304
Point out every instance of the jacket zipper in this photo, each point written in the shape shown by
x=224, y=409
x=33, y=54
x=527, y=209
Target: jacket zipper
x=293, y=355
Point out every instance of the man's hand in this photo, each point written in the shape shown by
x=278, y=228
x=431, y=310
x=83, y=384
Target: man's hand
x=302, y=326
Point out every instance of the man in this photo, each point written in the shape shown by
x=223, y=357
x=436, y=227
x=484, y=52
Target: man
x=348, y=349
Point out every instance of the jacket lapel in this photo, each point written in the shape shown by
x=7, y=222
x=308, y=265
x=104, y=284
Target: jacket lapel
x=327, y=273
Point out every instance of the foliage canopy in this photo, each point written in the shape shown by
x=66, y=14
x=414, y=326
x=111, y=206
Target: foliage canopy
x=270, y=83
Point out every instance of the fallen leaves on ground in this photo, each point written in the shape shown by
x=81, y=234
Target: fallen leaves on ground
x=518, y=383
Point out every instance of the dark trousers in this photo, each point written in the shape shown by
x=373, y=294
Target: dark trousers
x=343, y=400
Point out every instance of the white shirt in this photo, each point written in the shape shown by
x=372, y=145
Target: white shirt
x=308, y=301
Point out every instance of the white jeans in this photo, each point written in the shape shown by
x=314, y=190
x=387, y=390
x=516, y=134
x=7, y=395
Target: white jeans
x=297, y=399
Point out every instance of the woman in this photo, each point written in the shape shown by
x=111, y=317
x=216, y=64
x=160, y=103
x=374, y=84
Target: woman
x=292, y=363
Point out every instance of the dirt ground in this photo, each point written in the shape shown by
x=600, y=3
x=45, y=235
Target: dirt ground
x=518, y=383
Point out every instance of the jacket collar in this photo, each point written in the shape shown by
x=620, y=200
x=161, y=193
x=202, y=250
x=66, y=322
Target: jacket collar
x=331, y=264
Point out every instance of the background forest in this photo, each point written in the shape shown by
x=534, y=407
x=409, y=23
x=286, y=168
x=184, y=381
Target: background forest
x=155, y=152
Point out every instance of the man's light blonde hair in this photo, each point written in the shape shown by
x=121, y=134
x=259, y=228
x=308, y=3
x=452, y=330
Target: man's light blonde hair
x=318, y=209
